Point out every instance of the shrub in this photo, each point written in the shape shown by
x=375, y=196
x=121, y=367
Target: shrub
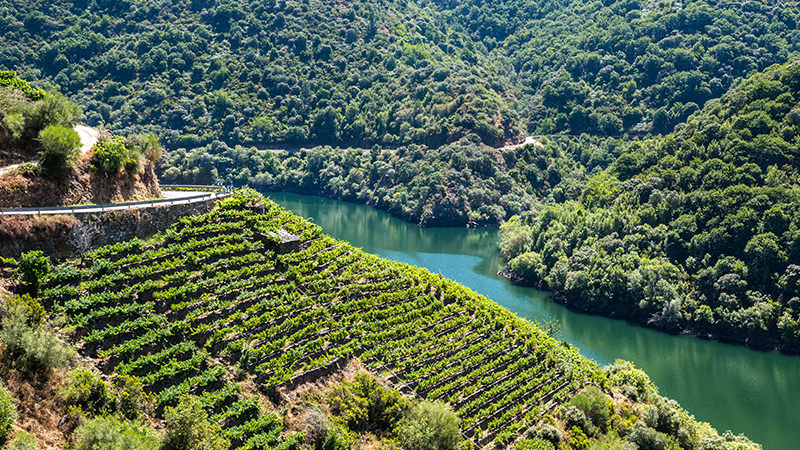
x=132, y=400
x=108, y=433
x=32, y=269
x=22, y=441
x=647, y=438
x=365, y=403
x=337, y=439
x=30, y=345
x=8, y=413
x=60, y=148
x=549, y=433
x=188, y=428
x=111, y=155
x=594, y=403
x=53, y=109
x=430, y=426
x=85, y=389
x=147, y=145
x=575, y=418
x=533, y=444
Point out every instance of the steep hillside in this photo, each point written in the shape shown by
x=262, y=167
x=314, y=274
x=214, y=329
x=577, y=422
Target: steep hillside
x=697, y=231
x=246, y=71
x=464, y=183
x=631, y=66
x=217, y=299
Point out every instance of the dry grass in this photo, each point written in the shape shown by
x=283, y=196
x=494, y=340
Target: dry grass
x=40, y=410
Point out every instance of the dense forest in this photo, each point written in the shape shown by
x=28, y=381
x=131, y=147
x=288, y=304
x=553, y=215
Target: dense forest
x=391, y=72
x=633, y=66
x=361, y=72
x=697, y=230
x=460, y=184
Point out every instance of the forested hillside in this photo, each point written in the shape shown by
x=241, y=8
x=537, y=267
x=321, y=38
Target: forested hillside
x=460, y=184
x=631, y=66
x=361, y=72
x=391, y=72
x=695, y=231
x=214, y=323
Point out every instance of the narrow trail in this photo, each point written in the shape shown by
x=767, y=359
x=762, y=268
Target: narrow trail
x=88, y=135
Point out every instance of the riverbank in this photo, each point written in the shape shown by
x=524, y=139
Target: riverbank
x=576, y=304
x=731, y=386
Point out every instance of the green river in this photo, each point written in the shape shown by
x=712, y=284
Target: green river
x=732, y=387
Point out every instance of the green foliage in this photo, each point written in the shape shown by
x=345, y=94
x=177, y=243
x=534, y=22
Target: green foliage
x=60, y=148
x=108, y=433
x=696, y=230
x=364, y=403
x=9, y=78
x=131, y=399
x=111, y=155
x=362, y=74
x=32, y=268
x=337, y=438
x=22, y=441
x=533, y=444
x=625, y=374
x=188, y=428
x=430, y=426
x=8, y=413
x=30, y=344
x=85, y=389
x=595, y=404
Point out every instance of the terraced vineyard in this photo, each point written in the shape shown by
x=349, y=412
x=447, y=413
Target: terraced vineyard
x=210, y=302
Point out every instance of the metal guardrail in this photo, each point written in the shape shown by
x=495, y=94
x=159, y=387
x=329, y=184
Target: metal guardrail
x=91, y=209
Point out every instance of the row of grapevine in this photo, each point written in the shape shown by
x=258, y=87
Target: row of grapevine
x=205, y=300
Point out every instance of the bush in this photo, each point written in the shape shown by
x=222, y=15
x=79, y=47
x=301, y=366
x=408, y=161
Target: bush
x=533, y=444
x=188, y=428
x=108, y=433
x=111, y=155
x=22, y=441
x=53, y=109
x=364, y=403
x=32, y=269
x=132, y=400
x=60, y=148
x=594, y=403
x=430, y=426
x=29, y=344
x=8, y=413
x=85, y=389
x=647, y=438
x=337, y=439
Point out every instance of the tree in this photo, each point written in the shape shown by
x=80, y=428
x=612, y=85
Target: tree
x=326, y=125
x=60, y=148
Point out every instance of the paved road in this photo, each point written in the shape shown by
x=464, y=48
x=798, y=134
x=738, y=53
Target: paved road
x=171, y=198
x=88, y=135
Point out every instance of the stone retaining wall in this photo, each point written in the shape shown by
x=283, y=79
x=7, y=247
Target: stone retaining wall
x=70, y=236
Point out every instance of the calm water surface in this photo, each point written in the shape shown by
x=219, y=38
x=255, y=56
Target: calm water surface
x=732, y=387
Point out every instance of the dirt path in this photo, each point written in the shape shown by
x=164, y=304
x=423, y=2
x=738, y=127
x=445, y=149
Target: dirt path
x=88, y=135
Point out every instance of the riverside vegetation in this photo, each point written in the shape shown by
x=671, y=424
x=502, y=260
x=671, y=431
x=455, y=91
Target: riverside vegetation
x=697, y=230
x=210, y=327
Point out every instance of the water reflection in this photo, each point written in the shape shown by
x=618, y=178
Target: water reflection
x=732, y=387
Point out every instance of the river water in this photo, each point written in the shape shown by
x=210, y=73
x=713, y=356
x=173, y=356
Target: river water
x=732, y=387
